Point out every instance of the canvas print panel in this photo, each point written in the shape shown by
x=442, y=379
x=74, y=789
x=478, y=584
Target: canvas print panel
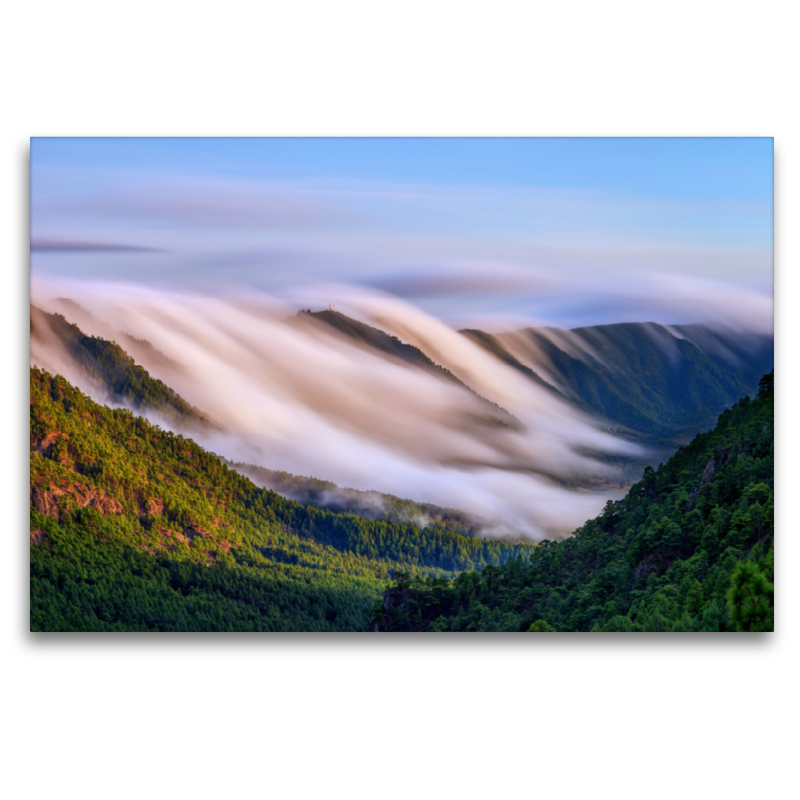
x=401, y=385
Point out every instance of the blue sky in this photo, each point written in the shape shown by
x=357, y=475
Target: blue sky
x=680, y=169
x=562, y=231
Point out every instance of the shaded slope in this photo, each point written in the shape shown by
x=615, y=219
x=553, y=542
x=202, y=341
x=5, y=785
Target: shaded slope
x=368, y=504
x=752, y=354
x=376, y=339
x=107, y=368
x=641, y=376
x=140, y=350
x=494, y=346
x=689, y=548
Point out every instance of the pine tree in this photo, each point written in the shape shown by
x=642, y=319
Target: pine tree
x=540, y=626
x=751, y=599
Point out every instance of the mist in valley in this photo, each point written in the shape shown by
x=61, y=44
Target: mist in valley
x=287, y=392
x=196, y=256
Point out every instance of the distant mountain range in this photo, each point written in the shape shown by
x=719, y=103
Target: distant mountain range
x=137, y=528
x=652, y=381
x=647, y=380
x=649, y=383
x=377, y=340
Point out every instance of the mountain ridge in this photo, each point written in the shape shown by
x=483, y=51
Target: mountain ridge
x=588, y=355
x=689, y=548
x=122, y=511
x=383, y=342
x=109, y=369
x=638, y=376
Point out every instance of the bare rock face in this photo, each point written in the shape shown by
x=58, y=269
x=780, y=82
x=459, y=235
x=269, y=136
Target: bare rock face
x=43, y=446
x=719, y=459
x=53, y=501
x=708, y=472
x=155, y=506
x=649, y=564
x=46, y=501
x=39, y=537
x=102, y=501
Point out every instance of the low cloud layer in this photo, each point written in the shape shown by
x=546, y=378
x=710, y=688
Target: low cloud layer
x=293, y=395
x=497, y=236
x=571, y=300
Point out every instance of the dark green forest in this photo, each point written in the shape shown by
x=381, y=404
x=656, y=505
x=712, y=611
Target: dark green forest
x=690, y=548
x=137, y=528
x=369, y=504
x=106, y=366
x=644, y=381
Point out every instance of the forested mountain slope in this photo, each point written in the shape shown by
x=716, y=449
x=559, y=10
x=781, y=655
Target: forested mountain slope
x=636, y=374
x=105, y=367
x=653, y=380
x=369, y=504
x=135, y=528
x=113, y=374
x=690, y=548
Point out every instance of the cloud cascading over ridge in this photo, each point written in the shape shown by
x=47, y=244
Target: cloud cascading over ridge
x=206, y=247
x=292, y=395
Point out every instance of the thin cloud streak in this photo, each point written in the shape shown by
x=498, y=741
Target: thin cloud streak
x=182, y=202
x=66, y=246
x=645, y=296
x=397, y=226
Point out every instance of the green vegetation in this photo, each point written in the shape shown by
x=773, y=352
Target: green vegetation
x=690, y=548
x=378, y=340
x=107, y=366
x=368, y=504
x=135, y=528
x=654, y=385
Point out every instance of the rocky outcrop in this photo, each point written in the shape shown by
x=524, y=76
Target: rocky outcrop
x=708, y=472
x=651, y=563
x=39, y=537
x=44, y=445
x=172, y=539
x=155, y=506
x=394, y=613
x=46, y=501
x=395, y=598
x=55, y=501
x=720, y=458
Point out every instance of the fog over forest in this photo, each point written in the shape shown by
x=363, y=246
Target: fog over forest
x=207, y=249
x=291, y=394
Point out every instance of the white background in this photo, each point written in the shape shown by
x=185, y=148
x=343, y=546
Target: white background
x=366, y=716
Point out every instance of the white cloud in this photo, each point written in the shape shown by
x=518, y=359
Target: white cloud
x=292, y=396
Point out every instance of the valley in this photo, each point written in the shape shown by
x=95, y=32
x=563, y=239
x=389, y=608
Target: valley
x=134, y=526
